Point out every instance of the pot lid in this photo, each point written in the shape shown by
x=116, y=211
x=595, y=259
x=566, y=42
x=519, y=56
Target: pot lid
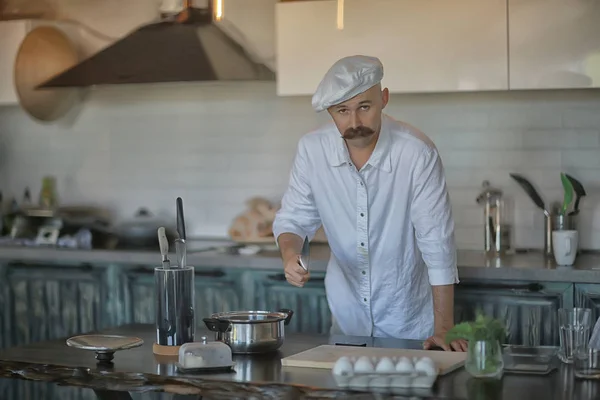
x=250, y=317
x=143, y=220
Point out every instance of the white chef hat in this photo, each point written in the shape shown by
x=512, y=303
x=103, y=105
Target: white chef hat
x=347, y=78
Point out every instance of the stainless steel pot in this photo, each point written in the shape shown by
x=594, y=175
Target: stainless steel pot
x=250, y=332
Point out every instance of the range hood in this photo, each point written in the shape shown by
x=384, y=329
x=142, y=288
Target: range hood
x=188, y=47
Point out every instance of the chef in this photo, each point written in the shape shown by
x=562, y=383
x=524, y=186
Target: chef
x=377, y=186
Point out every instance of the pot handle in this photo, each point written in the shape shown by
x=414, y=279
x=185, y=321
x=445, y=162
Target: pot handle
x=289, y=315
x=217, y=325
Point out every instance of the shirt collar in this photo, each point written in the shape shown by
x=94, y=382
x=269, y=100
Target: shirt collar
x=381, y=157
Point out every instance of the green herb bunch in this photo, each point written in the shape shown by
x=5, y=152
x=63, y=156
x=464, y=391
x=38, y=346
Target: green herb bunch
x=483, y=328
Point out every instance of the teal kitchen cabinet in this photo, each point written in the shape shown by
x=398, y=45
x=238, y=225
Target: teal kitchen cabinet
x=43, y=302
x=588, y=296
x=529, y=309
x=216, y=290
x=271, y=292
x=32, y=390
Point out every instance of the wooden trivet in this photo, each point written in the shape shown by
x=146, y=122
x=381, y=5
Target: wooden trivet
x=165, y=350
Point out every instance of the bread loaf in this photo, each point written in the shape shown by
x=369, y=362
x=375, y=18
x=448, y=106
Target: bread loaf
x=255, y=223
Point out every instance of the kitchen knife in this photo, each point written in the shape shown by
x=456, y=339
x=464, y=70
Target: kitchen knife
x=180, y=220
x=163, y=243
x=305, y=256
x=530, y=190
x=180, y=247
x=579, y=193
x=180, y=250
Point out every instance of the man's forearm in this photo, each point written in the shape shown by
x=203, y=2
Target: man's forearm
x=443, y=308
x=290, y=244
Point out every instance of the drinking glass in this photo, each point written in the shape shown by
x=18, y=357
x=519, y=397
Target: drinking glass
x=587, y=364
x=484, y=359
x=574, y=326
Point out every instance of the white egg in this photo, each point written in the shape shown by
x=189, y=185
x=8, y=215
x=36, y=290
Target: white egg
x=363, y=365
x=404, y=366
x=385, y=365
x=426, y=367
x=359, y=381
x=343, y=367
x=427, y=360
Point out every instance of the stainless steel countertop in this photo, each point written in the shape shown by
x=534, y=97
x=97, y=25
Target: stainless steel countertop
x=532, y=266
x=263, y=376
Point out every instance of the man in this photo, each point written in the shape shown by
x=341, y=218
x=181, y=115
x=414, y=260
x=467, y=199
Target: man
x=380, y=193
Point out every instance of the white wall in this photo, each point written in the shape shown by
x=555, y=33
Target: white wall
x=216, y=145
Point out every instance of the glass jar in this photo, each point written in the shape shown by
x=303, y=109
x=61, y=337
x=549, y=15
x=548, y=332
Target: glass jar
x=497, y=230
x=484, y=359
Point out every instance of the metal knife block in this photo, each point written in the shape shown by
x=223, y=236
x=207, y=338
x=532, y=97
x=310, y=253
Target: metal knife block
x=175, y=322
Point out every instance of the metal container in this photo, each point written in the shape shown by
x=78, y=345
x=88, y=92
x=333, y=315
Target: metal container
x=250, y=332
x=564, y=222
x=497, y=233
x=174, y=306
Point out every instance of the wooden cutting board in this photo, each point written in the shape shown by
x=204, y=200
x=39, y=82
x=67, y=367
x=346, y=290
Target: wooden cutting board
x=325, y=356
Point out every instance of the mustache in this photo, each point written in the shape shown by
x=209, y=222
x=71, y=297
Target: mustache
x=361, y=131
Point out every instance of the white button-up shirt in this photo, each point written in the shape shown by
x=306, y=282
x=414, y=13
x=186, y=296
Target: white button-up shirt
x=389, y=227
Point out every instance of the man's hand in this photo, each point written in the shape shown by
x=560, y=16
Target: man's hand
x=294, y=273
x=439, y=341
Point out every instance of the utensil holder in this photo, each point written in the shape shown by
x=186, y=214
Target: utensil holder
x=175, y=322
x=563, y=222
x=557, y=222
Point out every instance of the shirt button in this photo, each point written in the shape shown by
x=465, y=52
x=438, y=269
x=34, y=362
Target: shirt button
x=365, y=299
x=364, y=272
x=362, y=244
x=362, y=214
x=361, y=184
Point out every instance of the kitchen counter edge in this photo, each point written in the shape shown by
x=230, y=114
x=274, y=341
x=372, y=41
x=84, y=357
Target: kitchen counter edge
x=531, y=266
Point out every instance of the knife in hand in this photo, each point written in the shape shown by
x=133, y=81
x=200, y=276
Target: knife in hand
x=305, y=256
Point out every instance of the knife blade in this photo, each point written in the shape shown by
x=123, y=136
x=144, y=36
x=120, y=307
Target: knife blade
x=180, y=246
x=304, y=260
x=180, y=219
x=180, y=250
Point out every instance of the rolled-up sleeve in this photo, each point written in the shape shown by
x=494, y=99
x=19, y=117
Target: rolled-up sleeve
x=298, y=213
x=431, y=214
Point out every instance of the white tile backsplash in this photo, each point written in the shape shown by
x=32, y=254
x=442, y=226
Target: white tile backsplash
x=217, y=145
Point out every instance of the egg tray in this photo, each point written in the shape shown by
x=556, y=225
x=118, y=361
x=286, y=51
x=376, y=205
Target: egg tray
x=385, y=372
